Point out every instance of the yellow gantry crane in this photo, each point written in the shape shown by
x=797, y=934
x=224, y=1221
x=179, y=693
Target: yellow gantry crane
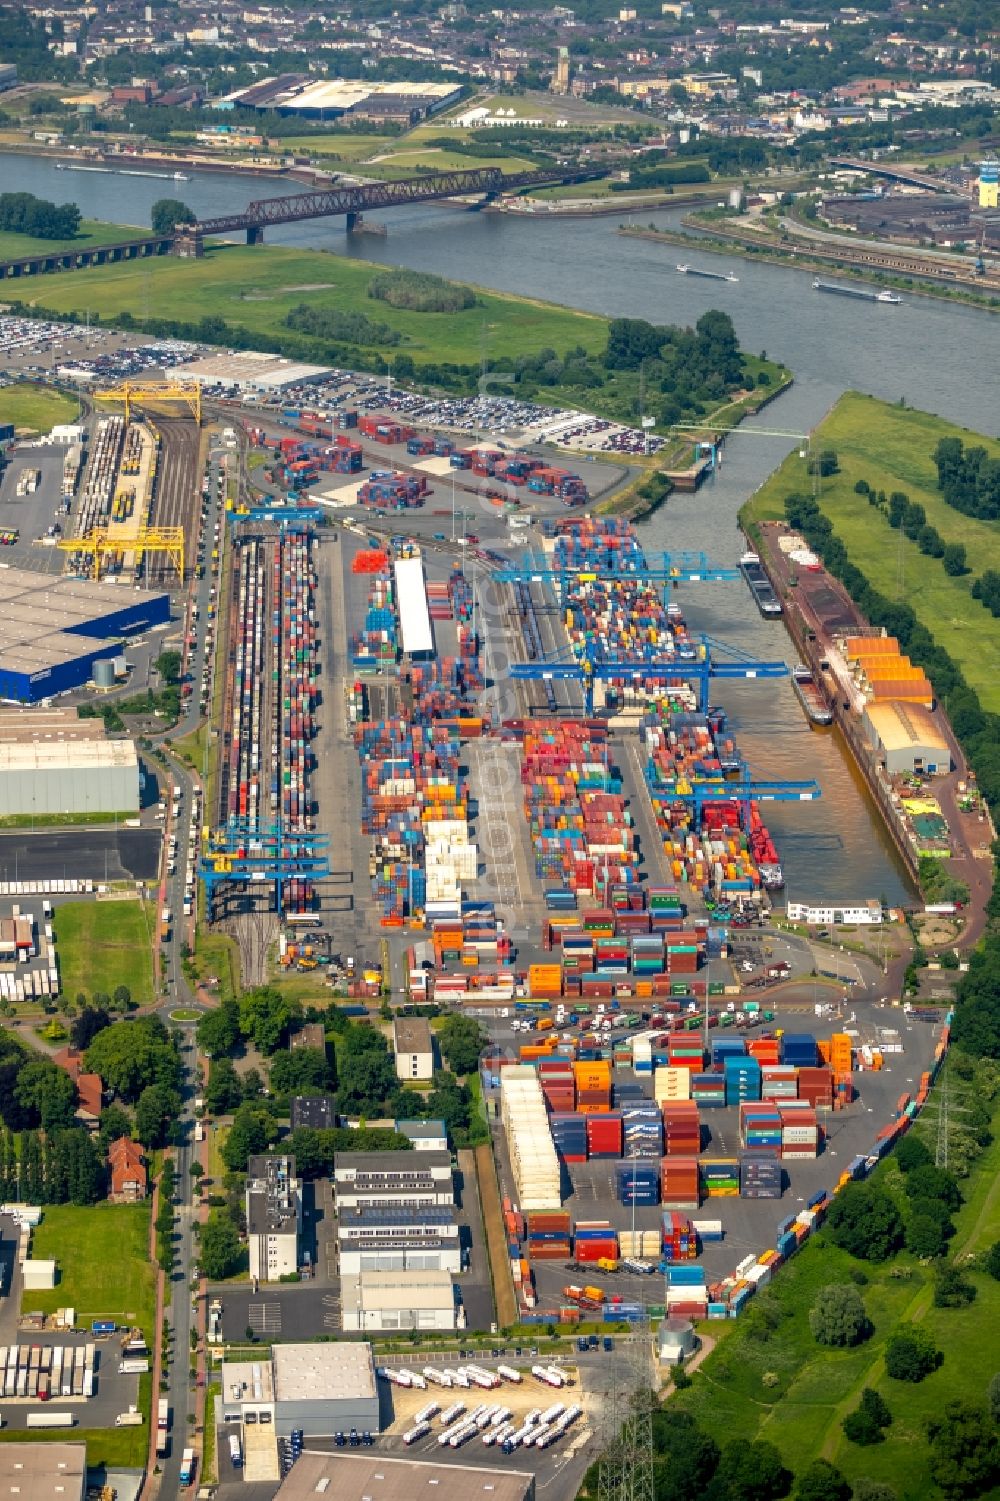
x=98, y=544
x=132, y=394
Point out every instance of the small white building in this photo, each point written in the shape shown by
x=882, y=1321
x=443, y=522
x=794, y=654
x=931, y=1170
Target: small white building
x=274, y=1217
x=865, y=914
x=38, y=1275
x=413, y=1046
x=426, y=1136
x=373, y=1301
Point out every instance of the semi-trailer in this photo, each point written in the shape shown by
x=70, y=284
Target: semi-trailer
x=49, y=1419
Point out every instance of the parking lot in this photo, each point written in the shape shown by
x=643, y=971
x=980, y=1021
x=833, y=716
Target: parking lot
x=40, y=349
x=31, y=520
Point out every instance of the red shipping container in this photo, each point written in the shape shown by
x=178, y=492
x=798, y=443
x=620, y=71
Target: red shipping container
x=596, y=1250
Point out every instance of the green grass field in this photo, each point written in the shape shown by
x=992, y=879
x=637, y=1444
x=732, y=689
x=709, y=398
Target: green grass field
x=104, y=1271
x=347, y=145
x=92, y=232
x=116, y=1448
x=400, y=164
x=818, y=1386
x=891, y=447
x=34, y=407
x=101, y=945
x=256, y=290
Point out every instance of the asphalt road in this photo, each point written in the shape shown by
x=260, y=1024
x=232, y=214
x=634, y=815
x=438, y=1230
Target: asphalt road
x=182, y=1302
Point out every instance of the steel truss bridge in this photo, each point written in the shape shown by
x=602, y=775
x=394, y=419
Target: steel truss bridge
x=352, y=201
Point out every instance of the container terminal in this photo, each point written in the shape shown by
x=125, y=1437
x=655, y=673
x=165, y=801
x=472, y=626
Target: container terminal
x=496, y=765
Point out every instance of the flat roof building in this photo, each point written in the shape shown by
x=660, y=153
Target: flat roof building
x=51, y=1471
x=373, y=1301
x=274, y=1217
x=413, y=1047
x=317, y=1111
x=404, y=1178
x=416, y=635
x=323, y=1389
x=362, y=1477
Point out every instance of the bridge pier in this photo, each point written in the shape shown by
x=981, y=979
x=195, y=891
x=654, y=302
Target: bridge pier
x=255, y=234
x=353, y=222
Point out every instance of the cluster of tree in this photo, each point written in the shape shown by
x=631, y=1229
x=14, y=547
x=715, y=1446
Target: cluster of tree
x=664, y=175
x=262, y=1016
x=694, y=369
x=977, y=730
x=132, y=1058
x=690, y=1466
x=349, y=326
x=420, y=292
x=24, y=214
x=220, y=1253
x=987, y=590
x=976, y=1026
x=461, y=1040
x=54, y=1167
x=869, y=1420
x=969, y=479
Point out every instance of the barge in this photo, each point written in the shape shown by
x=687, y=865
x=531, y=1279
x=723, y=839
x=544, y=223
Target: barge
x=765, y=598
x=810, y=696
x=686, y=270
x=866, y=294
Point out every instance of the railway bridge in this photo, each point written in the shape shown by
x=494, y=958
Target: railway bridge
x=482, y=183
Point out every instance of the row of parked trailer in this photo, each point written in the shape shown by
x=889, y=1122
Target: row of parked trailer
x=467, y=1376
x=495, y=1425
x=46, y=1371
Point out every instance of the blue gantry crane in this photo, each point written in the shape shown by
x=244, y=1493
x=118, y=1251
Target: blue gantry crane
x=244, y=853
x=742, y=789
x=694, y=664
x=665, y=568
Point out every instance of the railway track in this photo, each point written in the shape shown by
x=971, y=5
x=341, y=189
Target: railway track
x=177, y=498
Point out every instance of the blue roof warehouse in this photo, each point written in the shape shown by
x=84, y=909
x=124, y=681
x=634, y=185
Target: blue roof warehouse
x=53, y=630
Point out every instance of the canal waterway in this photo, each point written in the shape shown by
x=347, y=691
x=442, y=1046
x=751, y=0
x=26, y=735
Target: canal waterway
x=936, y=356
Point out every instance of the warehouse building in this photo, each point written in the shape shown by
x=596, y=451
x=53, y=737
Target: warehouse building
x=365, y=1180
x=55, y=629
x=274, y=1217
x=361, y=1477
x=323, y=1389
x=374, y=1301
x=413, y=1047
x=51, y=1471
x=396, y=1239
x=415, y=631
x=54, y=762
x=908, y=739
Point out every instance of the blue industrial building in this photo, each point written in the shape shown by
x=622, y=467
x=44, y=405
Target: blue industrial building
x=54, y=629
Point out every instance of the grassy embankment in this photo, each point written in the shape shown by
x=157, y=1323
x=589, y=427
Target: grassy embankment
x=104, y=1272
x=35, y=408
x=891, y=447
x=817, y=1386
x=101, y=945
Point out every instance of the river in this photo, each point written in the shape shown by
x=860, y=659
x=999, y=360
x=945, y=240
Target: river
x=938, y=357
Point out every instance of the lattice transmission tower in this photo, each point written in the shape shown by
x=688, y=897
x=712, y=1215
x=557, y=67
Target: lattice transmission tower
x=625, y=1472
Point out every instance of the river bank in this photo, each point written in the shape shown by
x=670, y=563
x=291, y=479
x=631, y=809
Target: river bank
x=714, y=241
x=70, y=159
